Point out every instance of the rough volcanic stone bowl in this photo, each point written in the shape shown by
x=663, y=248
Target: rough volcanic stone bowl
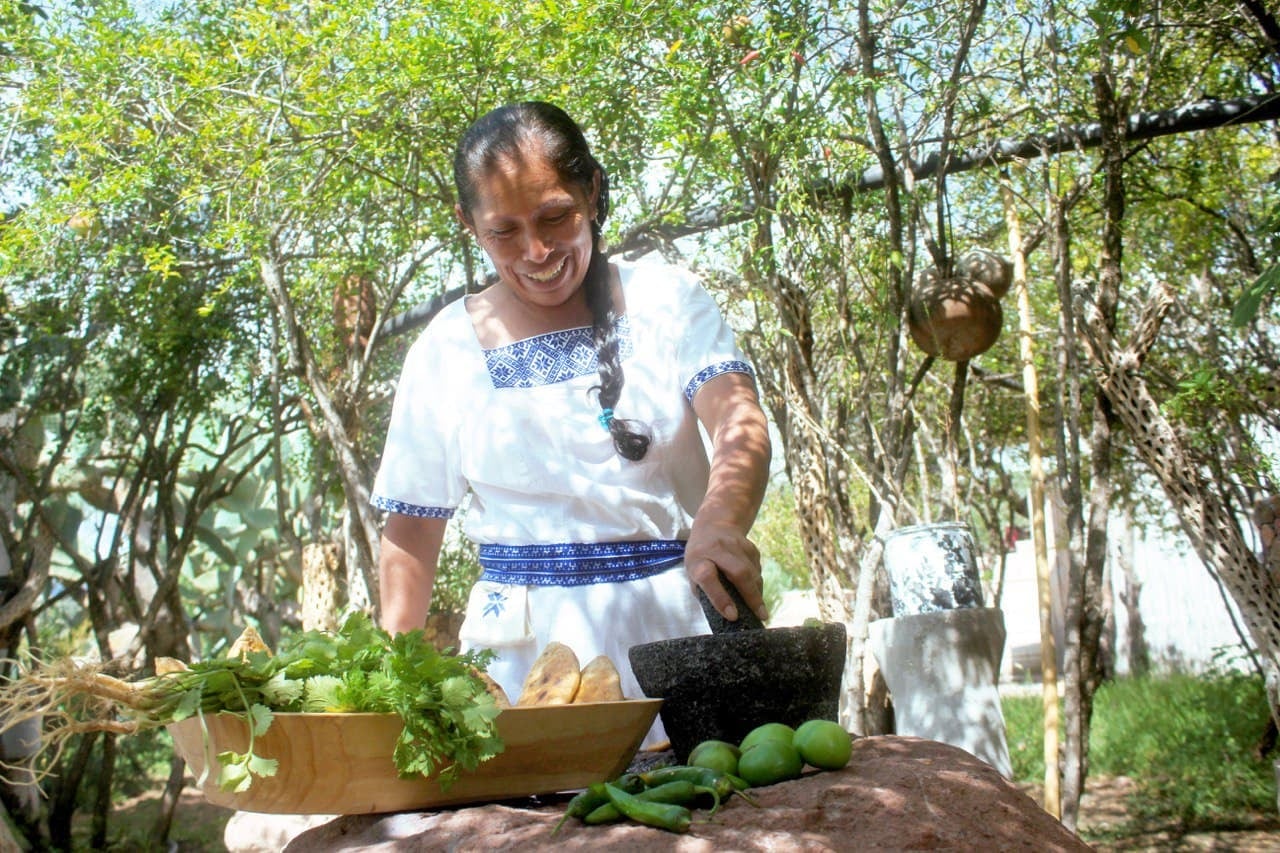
x=721, y=686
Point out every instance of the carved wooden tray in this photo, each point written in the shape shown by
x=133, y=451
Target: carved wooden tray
x=342, y=763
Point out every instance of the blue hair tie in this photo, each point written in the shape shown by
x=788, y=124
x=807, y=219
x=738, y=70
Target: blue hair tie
x=606, y=415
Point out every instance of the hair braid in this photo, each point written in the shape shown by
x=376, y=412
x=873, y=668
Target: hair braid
x=627, y=440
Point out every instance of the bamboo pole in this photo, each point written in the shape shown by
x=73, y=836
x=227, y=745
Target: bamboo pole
x=1031, y=387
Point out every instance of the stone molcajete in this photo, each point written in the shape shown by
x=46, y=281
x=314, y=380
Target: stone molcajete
x=722, y=685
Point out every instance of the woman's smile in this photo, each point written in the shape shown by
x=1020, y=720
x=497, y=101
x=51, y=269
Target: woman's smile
x=545, y=277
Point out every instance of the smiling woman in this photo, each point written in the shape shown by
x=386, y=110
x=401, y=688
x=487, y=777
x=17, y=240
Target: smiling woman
x=538, y=235
x=570, y=412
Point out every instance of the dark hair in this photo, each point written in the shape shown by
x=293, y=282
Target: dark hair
x=501, y=134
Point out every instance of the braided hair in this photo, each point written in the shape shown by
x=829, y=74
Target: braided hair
x=499, y=135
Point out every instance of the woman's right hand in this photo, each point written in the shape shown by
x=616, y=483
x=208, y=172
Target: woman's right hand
x=718, y=551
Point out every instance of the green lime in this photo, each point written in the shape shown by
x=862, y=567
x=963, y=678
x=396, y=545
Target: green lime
x=823, y=744
x=770, y=761
x=715, y=754
x=711, y=744
x=768, y=731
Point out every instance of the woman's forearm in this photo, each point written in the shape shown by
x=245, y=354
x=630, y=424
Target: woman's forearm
x=718, y=543
x=407, y=570
x=741, y=454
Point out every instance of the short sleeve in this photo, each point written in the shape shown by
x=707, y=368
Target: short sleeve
x=419, y=474
x=706, y=347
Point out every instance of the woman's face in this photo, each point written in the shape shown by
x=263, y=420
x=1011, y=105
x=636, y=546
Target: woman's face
x=535, y=228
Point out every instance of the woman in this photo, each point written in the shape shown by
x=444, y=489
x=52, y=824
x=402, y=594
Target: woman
x=566, y=400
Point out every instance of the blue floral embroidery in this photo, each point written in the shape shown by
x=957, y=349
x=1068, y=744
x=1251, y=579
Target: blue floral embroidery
x=497, y=602
x=551, y=358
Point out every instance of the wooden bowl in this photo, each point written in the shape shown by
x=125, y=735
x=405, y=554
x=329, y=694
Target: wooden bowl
x=342, y=763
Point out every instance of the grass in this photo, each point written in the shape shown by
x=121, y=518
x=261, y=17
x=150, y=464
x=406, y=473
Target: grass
x=1187, y=742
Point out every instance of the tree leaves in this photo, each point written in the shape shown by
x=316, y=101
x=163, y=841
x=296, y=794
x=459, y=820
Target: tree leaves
x=1250, y=303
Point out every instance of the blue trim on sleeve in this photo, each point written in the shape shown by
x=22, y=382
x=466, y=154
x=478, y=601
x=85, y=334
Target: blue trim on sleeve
x=412, y=510
x=708, y=373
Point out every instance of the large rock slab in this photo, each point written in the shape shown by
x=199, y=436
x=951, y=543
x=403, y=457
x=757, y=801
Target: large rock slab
x=897, y=793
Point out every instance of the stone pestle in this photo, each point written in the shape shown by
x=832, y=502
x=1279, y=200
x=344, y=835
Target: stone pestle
x=746, y=621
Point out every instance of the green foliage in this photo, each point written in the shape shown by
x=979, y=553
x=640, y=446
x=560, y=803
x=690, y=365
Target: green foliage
x=1187, y=742
x=458, y=569
x=777, y=535
x=1024, y=731
x=1266, y=284
x=449, y=717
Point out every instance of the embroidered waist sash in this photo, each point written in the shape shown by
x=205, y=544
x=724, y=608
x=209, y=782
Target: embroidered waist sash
x=578, y=563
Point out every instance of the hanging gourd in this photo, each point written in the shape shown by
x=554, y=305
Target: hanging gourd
x=959, y=317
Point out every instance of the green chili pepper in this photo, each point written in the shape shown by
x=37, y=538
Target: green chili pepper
x=723, y=784
x=630, y=782
x=584, y=803
x=683, y=773
x=668, y=816
x=676, y=793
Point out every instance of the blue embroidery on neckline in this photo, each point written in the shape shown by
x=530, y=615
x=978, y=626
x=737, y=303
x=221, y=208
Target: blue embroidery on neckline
x=551, y=358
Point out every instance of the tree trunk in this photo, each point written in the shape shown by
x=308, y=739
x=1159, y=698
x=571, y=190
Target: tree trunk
x=330, y=426
x=1039, y=532
x=62, y=803
x=102, y=799
x=1083, y=626
x=1084, y=618
x=1131, y=598
x=1212, y=528
x=169, y=803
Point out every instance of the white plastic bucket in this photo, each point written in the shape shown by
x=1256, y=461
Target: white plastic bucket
x=931, y=568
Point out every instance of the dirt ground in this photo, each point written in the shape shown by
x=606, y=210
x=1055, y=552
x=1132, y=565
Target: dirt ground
x=1104, y=822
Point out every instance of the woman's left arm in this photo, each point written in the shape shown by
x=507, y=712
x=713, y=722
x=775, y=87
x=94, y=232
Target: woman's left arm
x=729, y=408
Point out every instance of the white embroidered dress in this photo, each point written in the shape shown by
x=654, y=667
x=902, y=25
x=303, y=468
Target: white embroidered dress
x=578, y=544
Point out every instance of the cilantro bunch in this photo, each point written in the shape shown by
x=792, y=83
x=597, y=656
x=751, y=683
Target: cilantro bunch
x=449, y=718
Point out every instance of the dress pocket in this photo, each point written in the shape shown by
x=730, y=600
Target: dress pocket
x=497, y=616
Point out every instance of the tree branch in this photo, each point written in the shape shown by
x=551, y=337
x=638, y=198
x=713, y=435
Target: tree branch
x=1205, y=114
